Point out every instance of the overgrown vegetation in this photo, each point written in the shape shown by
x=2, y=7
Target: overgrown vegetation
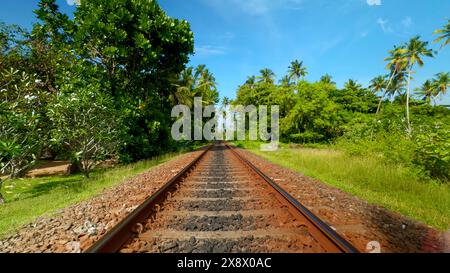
x=383, y=120
x=100, y=85
x=27, y=198
x=371, y=178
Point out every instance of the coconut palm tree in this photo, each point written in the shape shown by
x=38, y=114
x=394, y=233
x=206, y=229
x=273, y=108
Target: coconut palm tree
x=297, y=70
x=442, y=83
x=327, y=79
x=251, y=81
x=206, y=87
x=397, y=86
x=285, y=81
x=377, y=85
x=415, y=51
x=396, y=65
x=445, y=35
x=183, y=88
x=194, y=83
x=225, y=102
x=199, y=70
x=427, y=91
x=352, y=85
x=267, y=75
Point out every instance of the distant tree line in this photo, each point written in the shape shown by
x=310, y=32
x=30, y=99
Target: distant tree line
x=383, y=118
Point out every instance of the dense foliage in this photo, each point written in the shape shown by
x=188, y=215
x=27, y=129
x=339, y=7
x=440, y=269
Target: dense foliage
x=99, y=85
x=85, y=124
x=363, y=121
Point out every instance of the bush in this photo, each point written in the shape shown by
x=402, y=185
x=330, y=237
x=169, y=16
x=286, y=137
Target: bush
x=371, y=138
x=433, y=151
x=426, y=152
x=86, y=124
x=21, y=132
x=314, y=118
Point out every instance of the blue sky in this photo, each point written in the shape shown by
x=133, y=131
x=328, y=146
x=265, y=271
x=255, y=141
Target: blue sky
x=344, y=38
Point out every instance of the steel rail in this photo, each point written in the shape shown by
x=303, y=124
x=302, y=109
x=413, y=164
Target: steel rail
x=321, y=231
x=114, y=239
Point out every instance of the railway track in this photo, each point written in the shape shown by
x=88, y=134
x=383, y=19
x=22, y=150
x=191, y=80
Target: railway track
x=221, y=203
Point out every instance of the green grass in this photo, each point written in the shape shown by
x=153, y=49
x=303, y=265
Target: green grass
x=392, y=186
x=29, y=198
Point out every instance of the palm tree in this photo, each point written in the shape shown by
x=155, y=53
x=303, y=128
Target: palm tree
x=184, y=88
x=396, y=86
x=199, y=70
x=194, y=83
x=415, y=50
x=267, y=75
x=377, y=85
x=352, y=85
x=327, y=79
x=251, y=81
x=297, y=70
x=206, y=87
x=226, y=101
x=285, y=81
x=442, y=83
x=396, y=65
x=445, y=35
x=427, y=91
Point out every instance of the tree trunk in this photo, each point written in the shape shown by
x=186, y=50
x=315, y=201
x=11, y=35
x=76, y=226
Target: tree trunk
x=379, y=104
x=2, y=200
x=385, y=90
x=409, y=130
x=73, y=168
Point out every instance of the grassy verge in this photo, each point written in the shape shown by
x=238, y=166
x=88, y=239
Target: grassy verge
x=29, y=198
x=392, y=186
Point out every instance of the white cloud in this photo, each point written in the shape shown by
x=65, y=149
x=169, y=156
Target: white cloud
x=374, y=2
x=407, y=22
x=384, y=24
x=209, y=50
x=73, y=2
x=255, y=7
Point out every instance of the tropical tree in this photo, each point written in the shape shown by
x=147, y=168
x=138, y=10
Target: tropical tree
x=285, y=81
x=226, y=101
x=251, y=81
x=444, y=35
x=327, y=79
x=396, y=65
x=397, y=85
x=206, y=86
x=135, y=50
x=378, y=85
x=297, y=70
x=198, y=82
x=184, y=88
x=22, y=132
x=267, y=75
x=442, y=83
x=352, y=85
x=86, y=125
x=415, y=51
x=427, y=91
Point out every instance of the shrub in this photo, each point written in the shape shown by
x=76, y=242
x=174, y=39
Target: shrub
x=86, y=124
x=433, y=151
x=21, y=133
